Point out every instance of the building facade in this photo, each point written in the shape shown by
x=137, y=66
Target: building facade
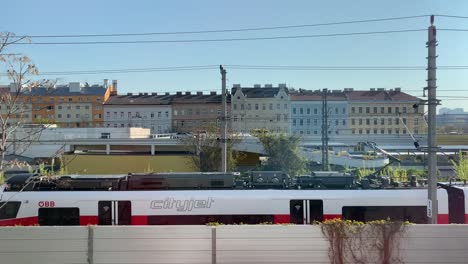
x=144, y=110
x=192, y=112
x=72, y=105
x=306, y=113
x=266, y=108
x=385, y=112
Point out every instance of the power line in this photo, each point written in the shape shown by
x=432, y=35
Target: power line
x=452, y=29
x=223, y=30
x=450, y=16
x=222, y=39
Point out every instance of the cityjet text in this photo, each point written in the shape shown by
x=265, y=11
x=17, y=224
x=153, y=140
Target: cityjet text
x=181, y=205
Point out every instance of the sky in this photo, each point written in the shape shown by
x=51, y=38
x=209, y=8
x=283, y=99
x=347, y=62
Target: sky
x=58, y=17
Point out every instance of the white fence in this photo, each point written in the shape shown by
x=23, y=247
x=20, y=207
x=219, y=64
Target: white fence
x=203, y=245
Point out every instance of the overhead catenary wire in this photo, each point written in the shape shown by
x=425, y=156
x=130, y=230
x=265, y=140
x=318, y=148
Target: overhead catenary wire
x=222, y=39
x=222, y=30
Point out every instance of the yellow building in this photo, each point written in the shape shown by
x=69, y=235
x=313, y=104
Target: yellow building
x=380, y=111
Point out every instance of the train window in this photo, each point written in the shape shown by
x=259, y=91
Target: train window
x=59, y=216
x=413, y=214
x=205, y=219
x=9, y=210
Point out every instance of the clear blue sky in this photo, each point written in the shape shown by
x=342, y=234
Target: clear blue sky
x=93, y=17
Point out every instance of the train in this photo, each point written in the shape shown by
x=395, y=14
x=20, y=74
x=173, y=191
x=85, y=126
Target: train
x=151, y=199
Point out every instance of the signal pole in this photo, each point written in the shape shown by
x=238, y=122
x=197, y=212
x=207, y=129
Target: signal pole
x=223, y=121
x=325, y=165
x=432, y=211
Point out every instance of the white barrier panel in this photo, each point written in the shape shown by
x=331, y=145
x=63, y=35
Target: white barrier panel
x=52, y=245
x=244, y=244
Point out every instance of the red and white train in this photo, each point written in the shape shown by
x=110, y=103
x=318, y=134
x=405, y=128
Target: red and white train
x=192, y=207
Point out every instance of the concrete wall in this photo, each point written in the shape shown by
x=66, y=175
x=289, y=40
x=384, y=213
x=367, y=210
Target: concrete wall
x=118, y=164
x=202, y=244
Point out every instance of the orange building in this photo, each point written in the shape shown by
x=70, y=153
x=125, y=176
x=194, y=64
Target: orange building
x=72, y=105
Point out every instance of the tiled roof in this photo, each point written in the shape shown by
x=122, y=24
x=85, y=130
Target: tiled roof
x=65, y=91
x=265, y=92
x=379, y=96
x=317, y=96
x=154, y=99
x=138, y=100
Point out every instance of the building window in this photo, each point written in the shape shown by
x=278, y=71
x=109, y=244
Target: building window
x=360, y=122
x=404, y=121
x=344, y=122
x=59, y=107
x=416, y=131
x=285, y=117
x=278, y=106
x=360, y=110
x=315, y=132
x=248, y=106
x=382, y=121
x=397, y=131
x=315, y=111
x=404, y=109
x=308, y=121
x=353, y=110
x=367, y=122
x=271, y=106
x=278, y=117
x=308, y=111
x=235, y=106
x=367, y=131
x=416, y=121
x=389, y=110
x=68, y=116
x=294, y=122
x=353, y=122
x=77, y=107
x=108, y=115
x=336, y=110
x=301, y=122
x=336, y=122
x=382, y=131
x=315, y=122
x=344, y=110
x=294, y=110
x=70, y=99
x=367, y=110
x=353, y=131
x=375, y=112
x=301, y=111
x=285, y=106
x=389, y=131
x=59, y=115
x=242, y=106
x=360, y=131
x=256, y=106
x=397, y=121
x=382, y=110
x=375, y=121
x=375, y=131
x=397, y=110
x=77, y=115
x=152, y=115
x=390, y=121
x=263, y=107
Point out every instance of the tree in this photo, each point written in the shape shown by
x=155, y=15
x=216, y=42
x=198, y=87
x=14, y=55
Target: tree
x=283, y=153
x=13, y=106
x=461, y=168
x=205, y=145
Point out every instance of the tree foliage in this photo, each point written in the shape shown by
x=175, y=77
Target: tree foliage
x=206, y=149
x=283, y=153
x=461, y=167
x=19, y=68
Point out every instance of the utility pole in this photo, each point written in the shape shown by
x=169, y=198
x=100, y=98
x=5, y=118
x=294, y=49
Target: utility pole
x=325, y=165
x=223, y=140
x=432, y=211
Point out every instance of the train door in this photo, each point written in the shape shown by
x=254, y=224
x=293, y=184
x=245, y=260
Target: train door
x=114, y=212
x=305, y=211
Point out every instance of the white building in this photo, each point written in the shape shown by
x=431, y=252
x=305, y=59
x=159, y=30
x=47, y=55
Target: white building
x=259, y=107
x=306, y=114
x=143, y=110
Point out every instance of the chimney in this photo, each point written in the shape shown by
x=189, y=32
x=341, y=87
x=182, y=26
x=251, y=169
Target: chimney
x=13, y=87
x=212, y=93
x=129, y=94
x=188, y=93
x=282, y=85
x=140, y=93
x=178, y=93
x=257, y=86
x=145, y=93
x=372, y=89
x=237, y=85
x=114, y=85
x=336, y=91
x=397, y=89
x=74, y=87
x=154, y=94
x=268, y=85
x=167, y=94
x=380, y=89
x=106, y=83
x=199, y=93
